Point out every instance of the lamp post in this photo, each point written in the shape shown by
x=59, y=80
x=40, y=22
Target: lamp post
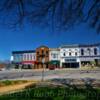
x=43, y=61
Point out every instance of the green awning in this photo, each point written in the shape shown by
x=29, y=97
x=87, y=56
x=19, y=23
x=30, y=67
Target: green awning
x=54, y=62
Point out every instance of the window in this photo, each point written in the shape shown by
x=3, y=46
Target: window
x=18, y=57
x=38, y=53
x=24, y=57
x=64, y=54
x=34, y=57
x=89, y=51
x=15, y=57
x=82, y=52
x=95, y=51
x=54, y=55
x=27, y=56
x=42, y=51
x=30, y=56
x=47, y=53
x=75, y=53
x=21, y=57
x=70, y=54
x=69, y=49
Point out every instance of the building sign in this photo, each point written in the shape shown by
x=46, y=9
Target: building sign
x=70, y=60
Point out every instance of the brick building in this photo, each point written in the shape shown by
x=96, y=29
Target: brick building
x=42, y=57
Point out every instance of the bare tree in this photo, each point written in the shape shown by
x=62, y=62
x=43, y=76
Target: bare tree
x=60, y=14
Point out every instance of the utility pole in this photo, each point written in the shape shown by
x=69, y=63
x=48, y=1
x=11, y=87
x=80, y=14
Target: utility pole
x=43, y=61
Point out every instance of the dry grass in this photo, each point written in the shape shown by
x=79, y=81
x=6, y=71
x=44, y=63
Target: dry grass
x=14, y=85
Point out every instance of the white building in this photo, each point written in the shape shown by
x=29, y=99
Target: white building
x=75, y=56
x=54, y=56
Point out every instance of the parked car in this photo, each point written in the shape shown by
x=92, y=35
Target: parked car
x=52, y=67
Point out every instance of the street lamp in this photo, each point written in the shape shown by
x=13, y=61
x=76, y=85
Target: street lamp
x=43, y=61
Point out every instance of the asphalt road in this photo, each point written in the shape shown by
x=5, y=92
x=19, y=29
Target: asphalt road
x=48, y=74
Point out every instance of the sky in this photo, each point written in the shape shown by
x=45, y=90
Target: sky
x=29, y=38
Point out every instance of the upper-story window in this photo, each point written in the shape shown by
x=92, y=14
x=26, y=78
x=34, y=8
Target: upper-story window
x=64, y=50
x=75, y=53
x=21, y=57
x=82, y=52
x=64, y=54
x=15, y=57
x=89, y=51
x=28, y=57
x=18, y=57
x=54, y=55
x=70, y=53
x=34, y=57
x=47, y=52
x=31, y=57
x=42, y=51
x=95, y=51
x=69, y=49
x=38, y=53
x=24, y=57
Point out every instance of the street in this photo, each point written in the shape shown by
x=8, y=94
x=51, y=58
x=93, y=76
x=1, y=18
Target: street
x=48, y=74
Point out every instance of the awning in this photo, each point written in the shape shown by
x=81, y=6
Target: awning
x=54, y=62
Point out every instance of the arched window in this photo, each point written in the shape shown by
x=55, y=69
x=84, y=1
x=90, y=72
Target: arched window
x=82, y=52
x=95, y=51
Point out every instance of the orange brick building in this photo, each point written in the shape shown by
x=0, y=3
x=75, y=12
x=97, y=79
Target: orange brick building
x=42, y=57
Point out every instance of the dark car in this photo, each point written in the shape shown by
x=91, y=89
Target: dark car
x=52, y=67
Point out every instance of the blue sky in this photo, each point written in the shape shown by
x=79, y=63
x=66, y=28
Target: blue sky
x=30, y=38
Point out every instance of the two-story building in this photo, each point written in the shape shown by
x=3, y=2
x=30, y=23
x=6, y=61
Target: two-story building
x=69, y=56
x=75, y=56
x=54, y=57
x=66, y=56
x=25, y=59
x=89, y=54
x=42, y=57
